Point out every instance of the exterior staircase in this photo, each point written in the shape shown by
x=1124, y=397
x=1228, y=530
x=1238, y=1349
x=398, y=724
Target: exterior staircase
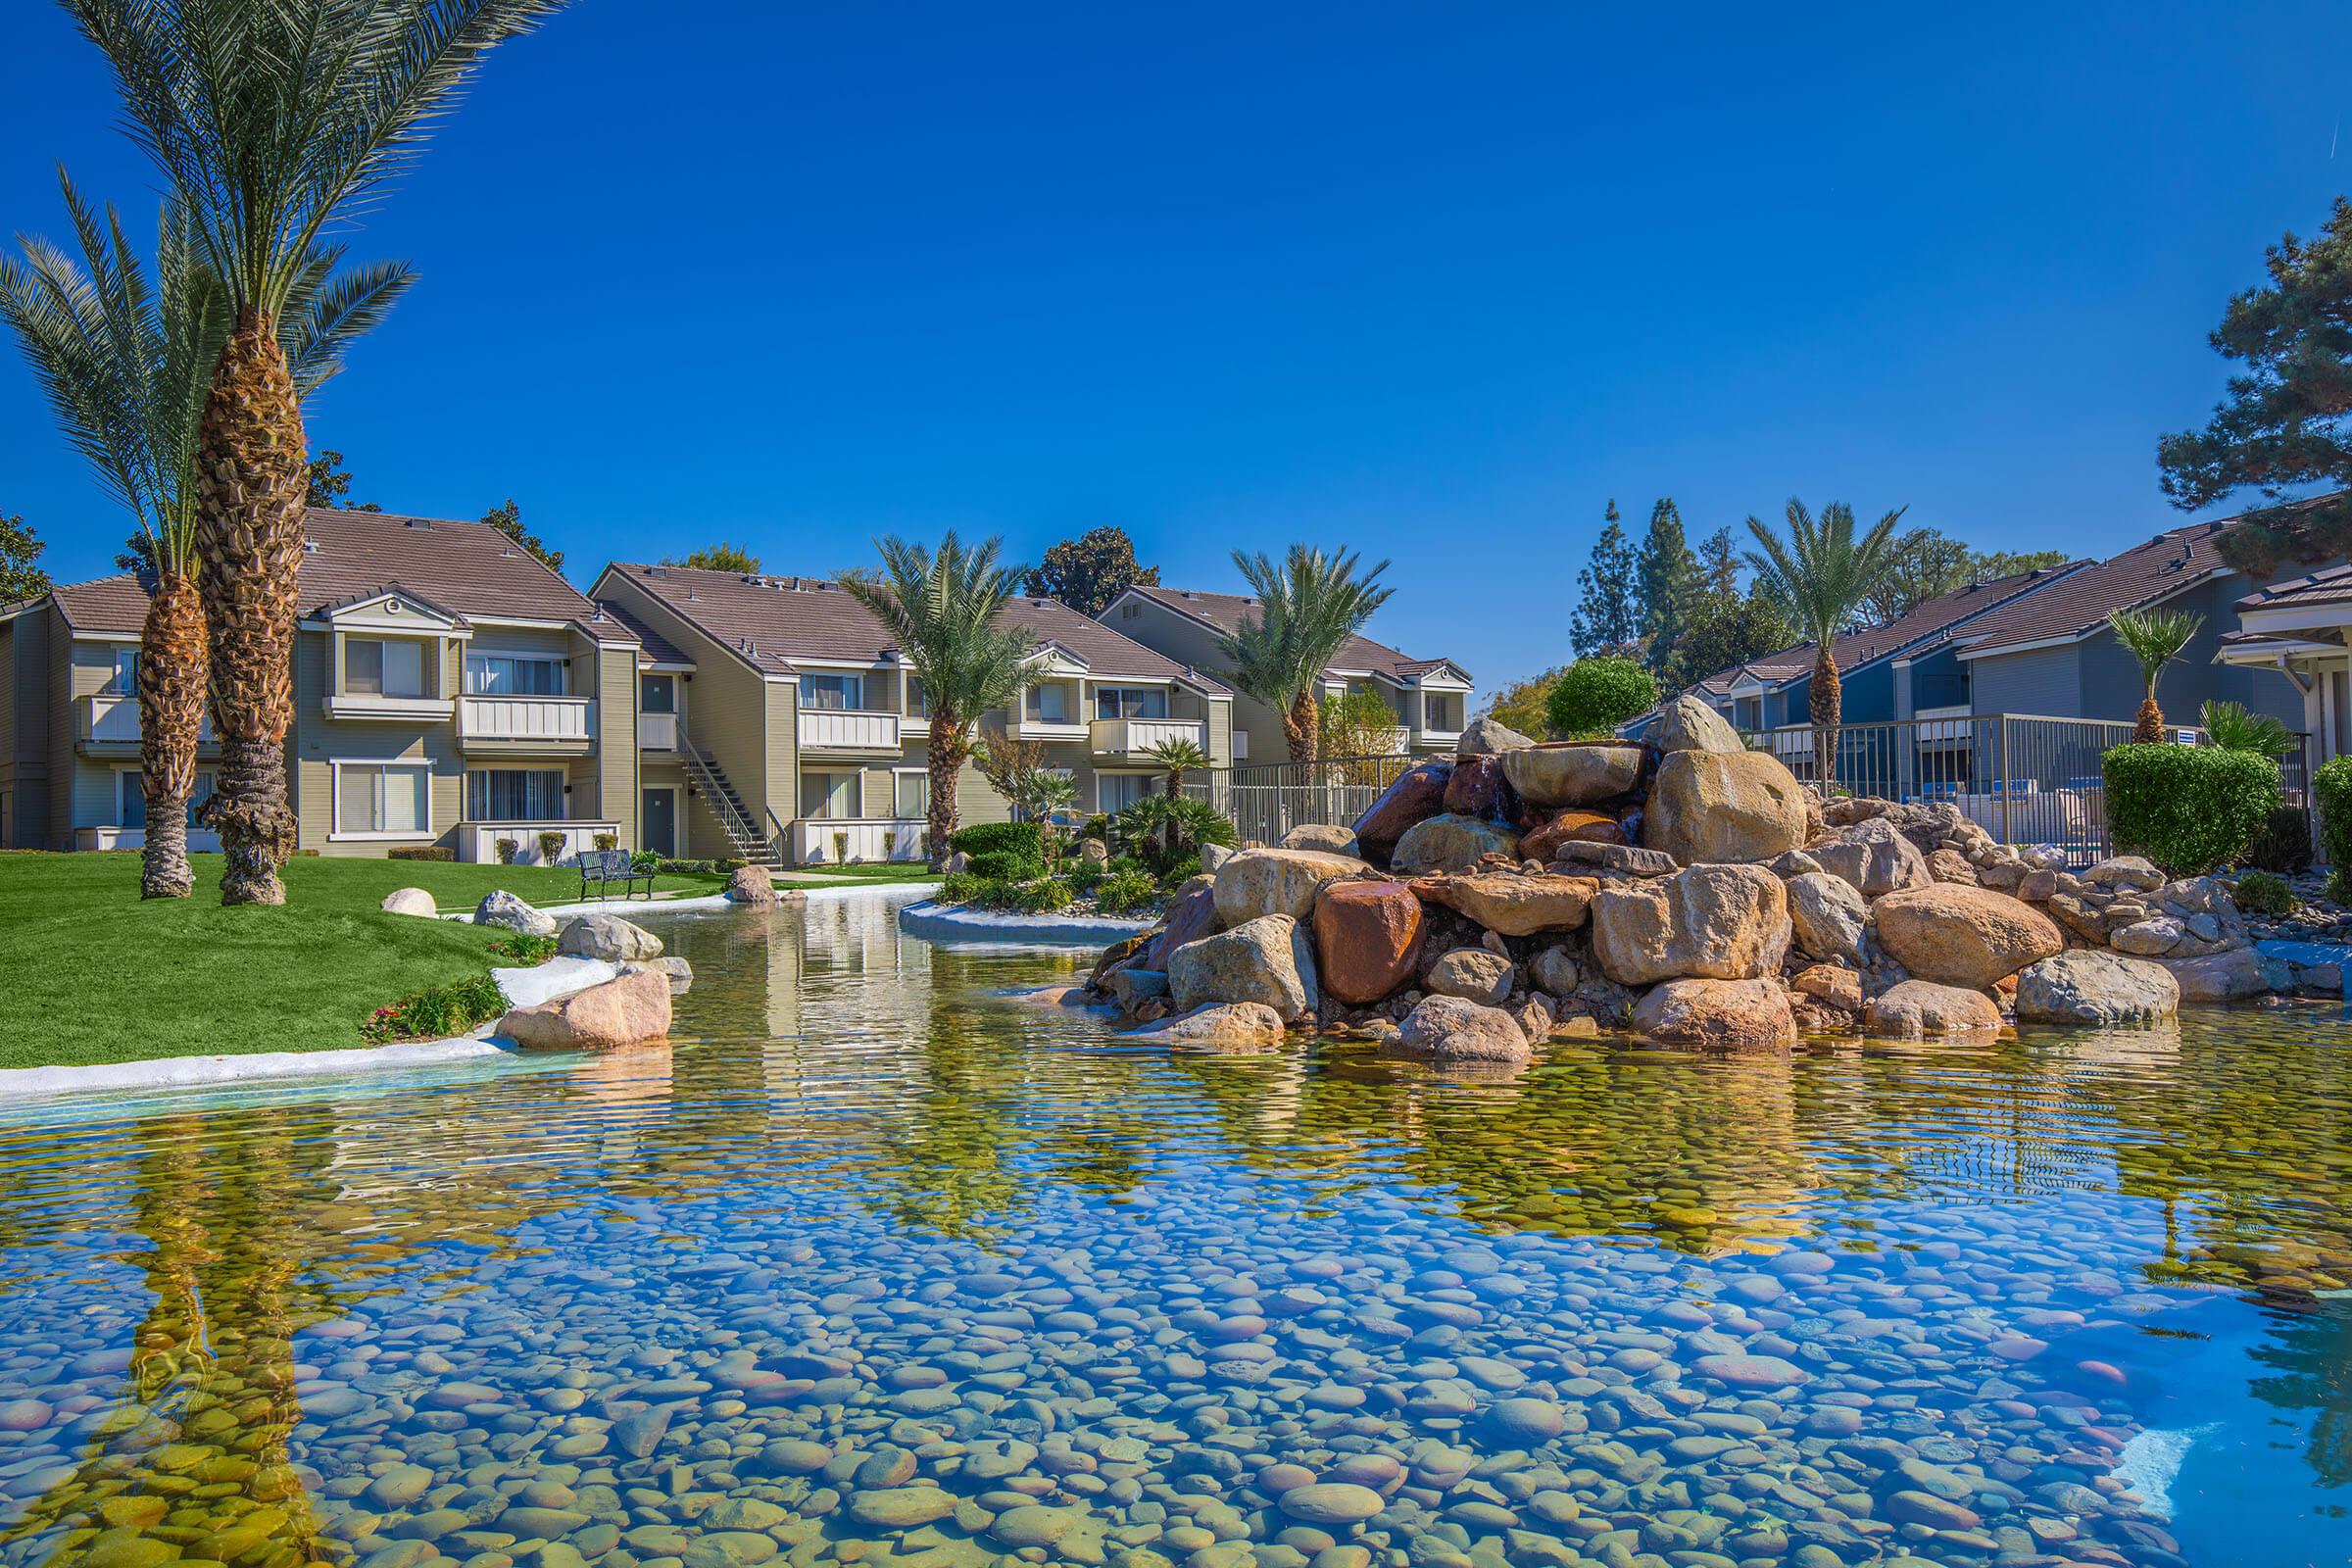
x=734, y=817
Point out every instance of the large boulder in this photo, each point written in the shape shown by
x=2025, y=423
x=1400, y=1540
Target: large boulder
x=1570, y=826
x=1486, y=737
x=1513, y=903
x=752, y=885
x=413, y=902
x=1874, y=856
x=1473, y=974
x=1574, y=773
x=1367, y=939
x=1962, y=936
x=1216, y=1026
x=1418, y=794
x=1452, y=1029
x=1828, y=915
x=1717, y=807
x=1450, y=844
x=676, y=973
x=1691, y=725
x=1267, y=960
x=1721, y=1013
x=2230, y=976
x=627, y=1011
x=1261, y=882
x=607, y=937
x=1325, y=837
x=1554, y=970
x=2088, y=986
x=1192, y=915
x=2124, y=872
x=1479, y=788
x=1715, y=923
x=500, y=907
x=1917, y=1009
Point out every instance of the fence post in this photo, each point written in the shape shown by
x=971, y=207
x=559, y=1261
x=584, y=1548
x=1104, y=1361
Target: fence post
x=2004, y=769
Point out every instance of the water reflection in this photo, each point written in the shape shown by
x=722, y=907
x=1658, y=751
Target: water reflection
x=868, y=1203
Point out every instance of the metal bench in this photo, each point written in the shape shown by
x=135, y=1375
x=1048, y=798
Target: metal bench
x=605, y=867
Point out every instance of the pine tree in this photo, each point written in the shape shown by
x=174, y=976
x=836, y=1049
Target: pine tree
x=1606, y=619
x=1668, y=580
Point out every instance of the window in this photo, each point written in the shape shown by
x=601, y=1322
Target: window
x=513, y=675
x=914, y=794
x=377, y=667
x=830, y=796
x=658, y=694
x=1050, y=704
x=125, y=681
x=1116, y=791
x=131, y=799
x=381, y=798
x=514, y=795
x=837, y=693
x=919, y=701
x=1131, y=701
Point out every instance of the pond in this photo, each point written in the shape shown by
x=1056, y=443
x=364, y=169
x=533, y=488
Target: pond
x=876, y=1265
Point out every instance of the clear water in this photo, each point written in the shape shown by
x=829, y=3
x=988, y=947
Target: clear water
x=877, y=1266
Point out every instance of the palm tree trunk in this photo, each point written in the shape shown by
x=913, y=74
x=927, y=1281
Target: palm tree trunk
x=1299, y=726
x=947, y=761
x=250, y=485
x=171, y=649
x=1828, y=706
x=2148, y=729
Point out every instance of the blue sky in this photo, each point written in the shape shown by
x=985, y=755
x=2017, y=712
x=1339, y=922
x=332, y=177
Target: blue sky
x=1436, y=282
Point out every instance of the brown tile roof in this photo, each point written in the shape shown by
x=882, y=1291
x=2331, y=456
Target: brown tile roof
x=2079, y=601
x=1226, y=613
x=2320, y=588
x=1930, y=622
x=658, y=650
x=468, y=569
x=771, y=621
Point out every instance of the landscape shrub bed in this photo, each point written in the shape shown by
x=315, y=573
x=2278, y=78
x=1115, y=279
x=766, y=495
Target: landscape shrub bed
x=2189, y=808
x=421, y=851
x=436, y=1013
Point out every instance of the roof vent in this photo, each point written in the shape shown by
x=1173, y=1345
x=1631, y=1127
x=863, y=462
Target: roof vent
x=505, y=554
x=750, y=647
x=418, y=522
x=689, y=593
x=310, y=547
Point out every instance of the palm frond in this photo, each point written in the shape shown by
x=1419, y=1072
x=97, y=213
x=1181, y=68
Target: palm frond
x=2236, y=728
x=329, y=310
x=1308, y=606
x=943, y=613
x=2154, y=637
x=1821, y=568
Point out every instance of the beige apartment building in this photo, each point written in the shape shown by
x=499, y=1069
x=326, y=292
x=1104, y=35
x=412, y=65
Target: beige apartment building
x=448, y=690
x=778, y=722
x=1429, y=697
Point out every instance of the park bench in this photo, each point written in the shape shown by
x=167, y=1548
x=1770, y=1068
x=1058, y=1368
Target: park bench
x=605, y=867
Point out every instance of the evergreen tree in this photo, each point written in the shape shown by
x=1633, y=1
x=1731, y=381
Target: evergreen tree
x=1668, y=578
x=508, y=519
x=1088, y=572
x=720, y=557
x=328, y=482
x=1607, y=618
x=1725, y=623
x=19, y=548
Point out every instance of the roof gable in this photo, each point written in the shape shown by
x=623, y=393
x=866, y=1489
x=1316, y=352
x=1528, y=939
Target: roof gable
x=1226, y=613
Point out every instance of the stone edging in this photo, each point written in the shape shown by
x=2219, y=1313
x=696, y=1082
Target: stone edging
x=956, y=923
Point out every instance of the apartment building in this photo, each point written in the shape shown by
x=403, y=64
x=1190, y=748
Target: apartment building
x=1429, y=697
x=448, y=690
x=777, y=720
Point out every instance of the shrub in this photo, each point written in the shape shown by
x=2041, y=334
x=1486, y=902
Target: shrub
x=959, y=887
x=1097, y=826
x=2284, y=843
x=2188, y=808
x=506, y=850
x=1163, y=833
x=2232, y=725
x=1182, y=871
x=436, y=1012
x=1043, y=895
x=1003, y=864
x=1129, y=890
x=645, y=861
x=1022, y=840
x=550, y=847
x=2264, y=894
x=2331, y=789
x=608, y=841
x=1594, y=696
x=728, y=865
x=655, y=863
x=421, y=851
x=889, y=844
x=840, y=846
x=1085, y=878
x=523, y=950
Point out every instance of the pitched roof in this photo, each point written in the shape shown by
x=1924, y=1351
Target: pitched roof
x=658, y=650
x=2320, y=588
x=2079, y=601
x=1931, y=622
x=467, y=570
x=1227, y=612
x=769, y=622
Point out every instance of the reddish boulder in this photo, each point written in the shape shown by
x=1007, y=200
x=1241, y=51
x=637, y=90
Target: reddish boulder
x=1367, y=939
x=1477, y=788
x=1192, y=915
x=1571, y=826
x=1418, y=794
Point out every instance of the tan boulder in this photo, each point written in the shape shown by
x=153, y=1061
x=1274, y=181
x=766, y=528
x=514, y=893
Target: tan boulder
x=1473, y=974
x=2092, y=987
x=1267, y=960
x=1717, y=922
x=1951, y=866
x=1572, y=825
x=1450, y=844
x=1962, y=936
x=1261, y=882
x=1828, y=915
x=1323, y=837
x=1691, y=725
x=1721, y=1013
x=1716, y=807
x=628, y=1011
x=607, y=937
x=1451, y=1028
x=1874, y=856
x=753, y=885
x=1367, y=939
x=2228, y=976
x=1513, y=903
x=410, y=901
x=1574, y=773
x=1830, y=983
x=1217, y=1026
x=1917, y=1009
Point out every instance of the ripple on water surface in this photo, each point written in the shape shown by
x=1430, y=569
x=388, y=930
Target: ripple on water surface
x=878, y=1266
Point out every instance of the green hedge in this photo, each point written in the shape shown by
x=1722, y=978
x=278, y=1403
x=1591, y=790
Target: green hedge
x=1021, y=840
x=1004, y=865
x=2332, y=788
x=2188, y=808
x=421, y=851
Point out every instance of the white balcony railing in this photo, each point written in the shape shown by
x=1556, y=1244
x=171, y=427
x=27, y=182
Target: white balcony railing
x=848, y=729
x=557, y=719
x=113, y=720
x=837, y=841
x=1130, y=737
x=478, y=841
x=656, y=732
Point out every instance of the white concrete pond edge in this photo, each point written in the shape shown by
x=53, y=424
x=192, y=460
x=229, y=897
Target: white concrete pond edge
x=524, y=988
x=952, y=922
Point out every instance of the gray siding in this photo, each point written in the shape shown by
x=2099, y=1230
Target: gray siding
x=2039, y=680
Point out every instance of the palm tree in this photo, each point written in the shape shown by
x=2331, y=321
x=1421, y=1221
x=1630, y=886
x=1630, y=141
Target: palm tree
x=270, y=122
x=941, y=611
x=2154, y=637
x=1824, y=573
x=1051, y=792
x=1179, y=757
x=1309, y=605
x=125, y=366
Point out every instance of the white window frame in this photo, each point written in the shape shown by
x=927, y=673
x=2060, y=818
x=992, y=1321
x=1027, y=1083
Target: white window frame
x=336, y=834
x=131, y=785
x=899, y=773
x=857, y=778
x=478, y=660
x=559, y=814
x=852, y=686
x=123, y=681
x=1035, y=697
x=1119, y=694
x=646, y=679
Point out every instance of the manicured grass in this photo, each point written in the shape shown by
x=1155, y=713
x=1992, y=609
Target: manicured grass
x=95, y=974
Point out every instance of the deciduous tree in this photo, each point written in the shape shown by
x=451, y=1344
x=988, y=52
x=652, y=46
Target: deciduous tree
x=720, y=557
x=508, y=519
x=326, y=483
x=19, y=548
x=1088, y=572
x=1522, y=705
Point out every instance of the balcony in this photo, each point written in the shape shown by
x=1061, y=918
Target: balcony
x=849, y=729
x=656, y=732
x=1132, y=736
x=840, y=841
x=376, y=707
x=526, y=723
x=477, y=841
x=110, y=722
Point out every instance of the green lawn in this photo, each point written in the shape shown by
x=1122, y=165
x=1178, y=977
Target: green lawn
x=97, y=975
